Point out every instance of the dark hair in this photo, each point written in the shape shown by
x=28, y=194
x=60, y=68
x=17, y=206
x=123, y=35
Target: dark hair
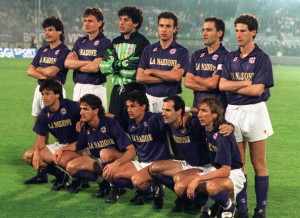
x=138, y=96
x=215, y=107
x=132, y=12
x=57, y=23
x=97, y=12
x=170, y=15
x=178, y=103
x=219, y=24
x=94, y=102
x=52, y=85
x=249, y=20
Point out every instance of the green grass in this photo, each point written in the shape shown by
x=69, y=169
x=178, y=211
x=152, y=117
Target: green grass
x=18, y=200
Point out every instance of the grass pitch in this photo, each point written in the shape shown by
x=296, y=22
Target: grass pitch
x=18, y=200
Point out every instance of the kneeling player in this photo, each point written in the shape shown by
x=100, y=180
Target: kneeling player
x=228, y=179
x=107, y=142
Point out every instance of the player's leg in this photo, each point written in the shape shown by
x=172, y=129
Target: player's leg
x=185, y=173
x=258, y=159
x=165, y=168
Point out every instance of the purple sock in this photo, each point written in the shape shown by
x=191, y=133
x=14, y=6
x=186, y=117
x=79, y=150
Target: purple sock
x=222, y=198
x=123, y=183
x=241, y=198
x=165, y=180
x=87, y=175
x=150, y=188
x=261, y=190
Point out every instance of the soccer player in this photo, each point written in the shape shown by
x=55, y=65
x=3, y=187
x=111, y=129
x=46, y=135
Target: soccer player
x=107, y=142
x=127, y=49
x=206, y=64
x=223, y=184
x=163, y=64
x=58, y=117
x=247, y=77
x=86, y=56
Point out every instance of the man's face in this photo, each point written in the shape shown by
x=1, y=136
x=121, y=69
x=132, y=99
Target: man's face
x=51, y=34
x=134, y=110
x=87, y=113
x=126, y=25
x=210, y=34
x=49, y=98
x=205, y=116
x=91, y=24
x=243, y=35
x=166, y=29
x=168, y=112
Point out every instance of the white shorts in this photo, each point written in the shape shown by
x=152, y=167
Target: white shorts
x=140, y=165
x=98, y=90
x=204, y=168
x=86, y=152
x=54, y=147
x=37, y=103
x=251, y=122
x=155, y=103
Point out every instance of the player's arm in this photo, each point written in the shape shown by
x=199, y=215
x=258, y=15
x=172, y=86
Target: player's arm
x=173, y=75
x=38, y=146
x=190, y=83
x=58, y=153
x=252, y=90
x=72, y=61
x=233, y=86
x=33, y=72
x=50, y=71
x=128, y=155
x=92, y=66
x=142, y=77
x=209, y=83
x=222, y=172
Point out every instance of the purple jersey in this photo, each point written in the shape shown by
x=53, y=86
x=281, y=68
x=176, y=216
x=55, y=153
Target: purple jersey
x=191, y=143
x=108, y=134
x=47, y=57
x=155, y=57
x=88, y=50
x=61, y=123
x=150, y=138
x=204, y=65
x=223, y=150
x=256, y=67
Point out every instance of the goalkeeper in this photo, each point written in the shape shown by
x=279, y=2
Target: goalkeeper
x=122, y=59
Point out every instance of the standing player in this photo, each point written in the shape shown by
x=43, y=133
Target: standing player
x=86, y=56
x=127, y=49
x=58, y=117
x=247, y=77
x=223, y=184
x=109, y=145
x=163, y=64
x=48, y=63
x=206, y=64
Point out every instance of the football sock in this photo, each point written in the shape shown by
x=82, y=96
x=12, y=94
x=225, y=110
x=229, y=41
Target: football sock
x=223, y=199
x=165, y=180
x=53, y=170
x=86, y=175
x=123, y=183
x=261, y=190
x=241, y=198
x=150, y=188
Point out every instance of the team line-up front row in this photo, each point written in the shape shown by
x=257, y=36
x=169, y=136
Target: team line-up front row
x=206, y=165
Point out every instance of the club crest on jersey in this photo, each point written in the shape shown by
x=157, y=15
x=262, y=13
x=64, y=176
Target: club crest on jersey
x=202, y=55
x=173, y=51
x=57, y=52
x=215, y=57
x=252, y=60
x=63, y=111
x=133, y=127
x=88, y=132
x=145, y=123
x=235, y=59
x=96, y=42
x=154, y=49
x=48, y=114
x=117, y=46
x=183, y=130
x=45, y=49
x=215, y=136
x=103, y=129
x=130, y=48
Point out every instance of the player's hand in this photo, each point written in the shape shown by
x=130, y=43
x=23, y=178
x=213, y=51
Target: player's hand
x=226, y=129
x=57, y=155
x=186, y=118
x=73, y=55
x=129, y=63
x=36, y=160
x=190, y=192
x=79, y=125
x=110, y=55
x=147, y=72
x=110, y=170
x=248, y=82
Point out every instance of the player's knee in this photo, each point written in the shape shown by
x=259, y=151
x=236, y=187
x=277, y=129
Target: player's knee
x=179, y=188
x=136, y=181
x=177, y=178
x=27, y=157
x=71, y=167
x=106, y=155
x=212, y=188
x=154, y=169
x=259, y=165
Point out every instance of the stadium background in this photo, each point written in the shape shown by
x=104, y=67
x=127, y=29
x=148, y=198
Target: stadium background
x=21, y=20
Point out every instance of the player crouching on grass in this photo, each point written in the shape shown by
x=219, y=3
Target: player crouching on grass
x=58, y=117
x=107, y=142
x=223, y=184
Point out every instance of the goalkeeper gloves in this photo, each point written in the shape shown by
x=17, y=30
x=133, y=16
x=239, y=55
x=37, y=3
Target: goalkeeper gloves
x=110, y=55
x=130, y=63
